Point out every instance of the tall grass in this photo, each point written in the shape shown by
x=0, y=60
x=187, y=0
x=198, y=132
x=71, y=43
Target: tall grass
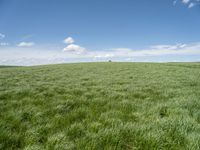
x=100, y=106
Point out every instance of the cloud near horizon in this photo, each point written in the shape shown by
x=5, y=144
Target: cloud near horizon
x=156, y=50
x=4, y=44
x=26, y=44
x=75, y=53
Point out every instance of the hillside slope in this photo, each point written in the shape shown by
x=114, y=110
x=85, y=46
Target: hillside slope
x=100, y=106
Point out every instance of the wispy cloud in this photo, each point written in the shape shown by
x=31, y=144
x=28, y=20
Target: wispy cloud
x=26, y=37
x=2, y=36
x=159, y=50
x=26, y=44
x=185, y=1
x=152, y=51
x=191, y=5
x=188, y=3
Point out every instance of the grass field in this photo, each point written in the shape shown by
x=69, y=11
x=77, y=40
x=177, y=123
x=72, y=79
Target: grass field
x=100, y=106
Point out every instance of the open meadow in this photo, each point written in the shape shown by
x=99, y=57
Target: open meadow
x=100, y=106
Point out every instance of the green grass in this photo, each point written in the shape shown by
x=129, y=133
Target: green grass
x=100, y=106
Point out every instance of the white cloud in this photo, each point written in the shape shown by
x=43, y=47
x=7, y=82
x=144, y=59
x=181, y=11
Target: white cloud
x=4, y=44
x=152, y=51
x=2, y=36
x=169, y=47
x=75, y=49
x=26, y=44
x=69, y=40
x=109, y=55
x=191, y=5
x=185, y=1
x=122, y=49
x=51, y=55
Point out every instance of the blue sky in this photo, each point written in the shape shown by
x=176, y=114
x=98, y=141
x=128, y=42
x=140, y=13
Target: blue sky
x=57, y=31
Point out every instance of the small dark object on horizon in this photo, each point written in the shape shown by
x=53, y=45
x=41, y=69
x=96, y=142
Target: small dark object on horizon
x=110, y=61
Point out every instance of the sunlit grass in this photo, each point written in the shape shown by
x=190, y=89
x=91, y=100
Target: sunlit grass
x=100, y=106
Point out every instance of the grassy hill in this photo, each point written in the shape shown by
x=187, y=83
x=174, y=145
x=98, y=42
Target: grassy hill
x=100, y=106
